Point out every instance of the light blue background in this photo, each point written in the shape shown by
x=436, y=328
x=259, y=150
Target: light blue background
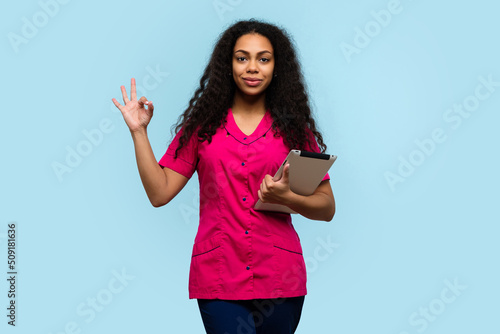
x=393, y=248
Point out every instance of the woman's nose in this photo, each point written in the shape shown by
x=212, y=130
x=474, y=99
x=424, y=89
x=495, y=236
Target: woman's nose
x=252, y=67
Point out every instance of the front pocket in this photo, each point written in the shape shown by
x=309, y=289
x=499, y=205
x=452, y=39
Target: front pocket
x=288, y=245
x=289, y=263
x=204, y=272
x=205, y=246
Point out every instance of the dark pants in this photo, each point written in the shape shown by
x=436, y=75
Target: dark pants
x=256, y=316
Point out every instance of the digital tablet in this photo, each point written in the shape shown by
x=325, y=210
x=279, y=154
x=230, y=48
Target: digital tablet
x=307, y=169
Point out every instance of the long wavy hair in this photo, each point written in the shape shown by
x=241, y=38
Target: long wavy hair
x=286, y=95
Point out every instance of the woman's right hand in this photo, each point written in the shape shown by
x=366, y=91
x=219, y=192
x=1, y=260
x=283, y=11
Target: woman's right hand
x=134, y=111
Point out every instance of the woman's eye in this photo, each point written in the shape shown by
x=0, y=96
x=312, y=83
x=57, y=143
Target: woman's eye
x=265, y=60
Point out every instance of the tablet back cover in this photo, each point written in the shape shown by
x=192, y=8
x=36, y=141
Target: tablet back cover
x=307, y=169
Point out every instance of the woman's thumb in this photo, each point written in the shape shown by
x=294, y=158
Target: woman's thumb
x=150, y=107
x=286, y=171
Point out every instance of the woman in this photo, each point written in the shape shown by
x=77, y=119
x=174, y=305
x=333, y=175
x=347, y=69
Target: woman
x=247, y=268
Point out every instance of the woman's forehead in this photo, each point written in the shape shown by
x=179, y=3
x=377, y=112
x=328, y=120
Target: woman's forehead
x=253, y=43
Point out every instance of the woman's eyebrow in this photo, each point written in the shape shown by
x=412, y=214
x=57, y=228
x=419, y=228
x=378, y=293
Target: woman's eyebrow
x=246, y=52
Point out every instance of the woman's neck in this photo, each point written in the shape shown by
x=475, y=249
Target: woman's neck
x=248, y=104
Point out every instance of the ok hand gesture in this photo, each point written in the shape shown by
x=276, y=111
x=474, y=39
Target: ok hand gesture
x=134, y=112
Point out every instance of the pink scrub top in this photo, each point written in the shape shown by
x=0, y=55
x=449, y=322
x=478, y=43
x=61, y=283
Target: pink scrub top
x=239, y=253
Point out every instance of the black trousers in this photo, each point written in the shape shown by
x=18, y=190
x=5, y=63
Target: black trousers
x=256, y=316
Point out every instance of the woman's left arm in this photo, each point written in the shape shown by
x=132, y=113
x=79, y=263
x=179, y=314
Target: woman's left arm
x=318, y=206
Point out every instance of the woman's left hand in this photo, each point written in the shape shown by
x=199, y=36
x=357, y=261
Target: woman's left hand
x=276, y=192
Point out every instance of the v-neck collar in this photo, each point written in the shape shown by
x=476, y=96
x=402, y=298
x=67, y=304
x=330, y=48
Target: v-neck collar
x=232, y=128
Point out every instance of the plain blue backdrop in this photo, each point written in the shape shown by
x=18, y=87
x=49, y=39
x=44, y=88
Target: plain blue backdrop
x=406, y=93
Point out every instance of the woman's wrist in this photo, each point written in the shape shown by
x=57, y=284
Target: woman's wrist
x=141, y=132
x=292, y=199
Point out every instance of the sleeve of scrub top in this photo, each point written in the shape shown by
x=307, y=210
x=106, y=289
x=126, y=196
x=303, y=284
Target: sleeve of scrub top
x=187, y=156
x=315, y=148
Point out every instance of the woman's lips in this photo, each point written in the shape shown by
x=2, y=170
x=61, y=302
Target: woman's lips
x=252, y=83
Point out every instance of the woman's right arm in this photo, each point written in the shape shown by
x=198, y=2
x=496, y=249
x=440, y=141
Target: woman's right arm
x=161, y=185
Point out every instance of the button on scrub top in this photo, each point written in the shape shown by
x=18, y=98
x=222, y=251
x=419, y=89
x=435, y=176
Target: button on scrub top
x=239, y=253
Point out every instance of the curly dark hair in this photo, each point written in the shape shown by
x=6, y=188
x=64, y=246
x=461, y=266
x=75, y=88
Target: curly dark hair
x=286, y=95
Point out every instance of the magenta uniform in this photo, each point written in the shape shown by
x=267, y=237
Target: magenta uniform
x=238, y=252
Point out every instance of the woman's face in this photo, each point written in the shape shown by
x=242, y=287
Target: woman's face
x=253, y=63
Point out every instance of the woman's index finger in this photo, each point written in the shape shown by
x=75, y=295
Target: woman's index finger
x=133, y=93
